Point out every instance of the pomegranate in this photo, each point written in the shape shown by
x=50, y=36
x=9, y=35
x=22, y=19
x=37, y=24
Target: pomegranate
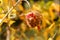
x=33, y=19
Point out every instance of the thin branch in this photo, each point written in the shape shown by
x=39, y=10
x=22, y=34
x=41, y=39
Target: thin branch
x=12, y=8
x=8, y=34
x=9, y=11
x=27, y=2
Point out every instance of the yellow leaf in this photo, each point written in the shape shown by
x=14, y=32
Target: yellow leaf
x=21, y=7
x=14, y=10
x=1, y=2
x=1, y=16
x=12, y=37
x=11, y=22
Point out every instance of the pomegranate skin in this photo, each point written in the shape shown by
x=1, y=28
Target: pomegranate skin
x=33, y=19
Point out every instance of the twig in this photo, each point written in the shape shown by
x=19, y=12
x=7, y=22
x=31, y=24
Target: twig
x=8, y=34
x=54, y=35
x=12, y=8
x=27, y=2
x=9, y=11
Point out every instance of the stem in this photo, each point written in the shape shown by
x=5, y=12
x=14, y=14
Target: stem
x=27, y=2
x=10, y=10
x=8, y=34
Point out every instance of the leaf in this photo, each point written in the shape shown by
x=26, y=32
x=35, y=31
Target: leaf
x=30, y=33
x=1, y=10
x=48, y=4
x=1, y=2
x=1, y=16
x=11, y=22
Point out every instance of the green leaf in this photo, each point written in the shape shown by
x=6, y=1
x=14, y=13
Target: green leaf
x=48, y=4
x=1, y=9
